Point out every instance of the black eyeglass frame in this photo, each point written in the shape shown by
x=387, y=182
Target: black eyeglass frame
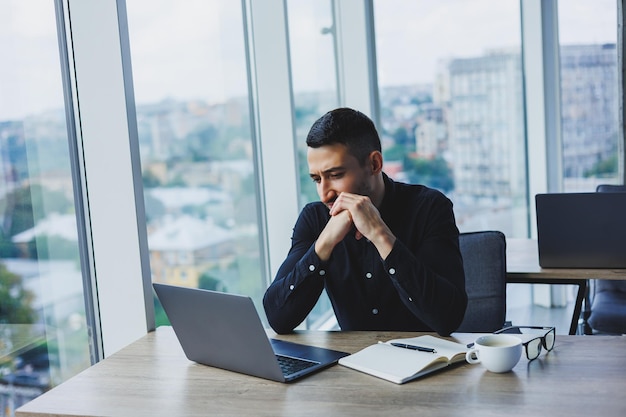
x=544, y=343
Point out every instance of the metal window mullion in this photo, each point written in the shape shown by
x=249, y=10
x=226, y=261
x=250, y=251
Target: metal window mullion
x=92, y=313
x=273, y=120
x=356, y=56
x=542, y=100
x=111, y=193
x=621, y=79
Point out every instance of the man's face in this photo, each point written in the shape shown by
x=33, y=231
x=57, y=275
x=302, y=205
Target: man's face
x=334, y=171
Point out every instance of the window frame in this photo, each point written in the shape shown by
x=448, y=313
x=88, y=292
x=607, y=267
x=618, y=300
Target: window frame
x=106, y=135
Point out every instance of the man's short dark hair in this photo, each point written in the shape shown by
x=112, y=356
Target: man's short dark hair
x=348, y=127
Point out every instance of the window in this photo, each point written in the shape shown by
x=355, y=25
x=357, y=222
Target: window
x=452, y=109
x=314, y=75
x=589, y=94
x=191, y=92
x=43, y=328
x=201, y=186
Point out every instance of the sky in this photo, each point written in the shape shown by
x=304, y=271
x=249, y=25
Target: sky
x=30, y=75
x=423, y=31
x=173, y=57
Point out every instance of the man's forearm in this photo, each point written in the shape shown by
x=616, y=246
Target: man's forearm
x=383, y=241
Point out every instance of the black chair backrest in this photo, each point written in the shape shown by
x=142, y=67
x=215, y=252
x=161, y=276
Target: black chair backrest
x=604, y=285
x=607, y=297
x=484, y=261
x=610, y=188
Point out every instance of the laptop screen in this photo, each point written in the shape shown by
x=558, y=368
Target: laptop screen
x=581, y=230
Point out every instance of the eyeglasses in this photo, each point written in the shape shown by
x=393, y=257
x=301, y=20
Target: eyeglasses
x=533, y=346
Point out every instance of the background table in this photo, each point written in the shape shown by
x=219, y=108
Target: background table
x=582, y=376
x=522, y=257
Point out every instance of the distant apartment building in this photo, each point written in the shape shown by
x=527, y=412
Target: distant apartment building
x=486, y=119
x=588, y=106
x=486, y=126
x=183, y=248
x=431, y=133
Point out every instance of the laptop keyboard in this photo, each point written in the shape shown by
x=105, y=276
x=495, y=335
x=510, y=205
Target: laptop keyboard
x=291, y=365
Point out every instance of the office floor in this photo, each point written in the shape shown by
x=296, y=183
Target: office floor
x=527, y=305
x=534, y=315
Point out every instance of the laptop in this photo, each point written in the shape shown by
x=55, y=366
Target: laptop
x=581, y=230
x=225, y=331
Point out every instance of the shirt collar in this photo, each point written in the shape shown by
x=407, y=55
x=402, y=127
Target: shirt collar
x=390, y=187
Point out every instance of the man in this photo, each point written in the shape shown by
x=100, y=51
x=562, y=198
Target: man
x=386, y=252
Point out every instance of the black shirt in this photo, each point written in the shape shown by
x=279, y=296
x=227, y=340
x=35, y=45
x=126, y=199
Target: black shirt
x=419, y=287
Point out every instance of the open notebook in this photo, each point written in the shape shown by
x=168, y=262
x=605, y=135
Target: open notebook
x=400, y=364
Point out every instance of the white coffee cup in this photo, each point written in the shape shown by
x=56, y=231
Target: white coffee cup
x=497, y=352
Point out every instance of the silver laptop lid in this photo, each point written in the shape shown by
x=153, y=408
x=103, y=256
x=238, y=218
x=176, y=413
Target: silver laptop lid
x=220, y=330
x=225, y=331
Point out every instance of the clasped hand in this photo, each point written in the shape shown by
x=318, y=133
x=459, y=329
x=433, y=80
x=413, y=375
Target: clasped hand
x=350, y=210
x=361, y=212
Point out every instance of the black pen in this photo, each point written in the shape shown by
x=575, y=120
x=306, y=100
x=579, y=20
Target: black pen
x=413, y=347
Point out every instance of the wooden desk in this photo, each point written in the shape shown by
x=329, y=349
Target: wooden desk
x=582, y=376
x=522, y=257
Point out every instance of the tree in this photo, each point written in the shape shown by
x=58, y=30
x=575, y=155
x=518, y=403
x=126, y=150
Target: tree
x=395, y=153
x=603, y=168
x=150, y=180
x=308, y=191
x=25, y=207
x=435, y=173
x=39, y=248
x=15, y=300
x=207, y=282
x=8, y=249
x=403, y=136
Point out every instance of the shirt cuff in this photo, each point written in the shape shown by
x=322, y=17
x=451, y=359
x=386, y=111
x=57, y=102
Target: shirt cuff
x=311, y=265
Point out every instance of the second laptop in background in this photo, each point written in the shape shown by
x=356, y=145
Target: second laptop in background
x=581, y=230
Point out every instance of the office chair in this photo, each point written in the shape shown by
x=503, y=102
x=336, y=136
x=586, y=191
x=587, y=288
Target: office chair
x=607, y=313
x=484, y=261
x=611, y=188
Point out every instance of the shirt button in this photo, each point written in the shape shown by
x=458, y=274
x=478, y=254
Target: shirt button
x=311, y=268
x=322, y=272
x=392, y=271
x=375, y=311
x=410, y=299
x=368, y=275
x=291, y=287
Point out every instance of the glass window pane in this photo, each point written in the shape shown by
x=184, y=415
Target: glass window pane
x=589, y=94
x=314, y=77
x=314, y=74
x=196, y=146
x=451, y=100
x=452, y=109
x=43, y=331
